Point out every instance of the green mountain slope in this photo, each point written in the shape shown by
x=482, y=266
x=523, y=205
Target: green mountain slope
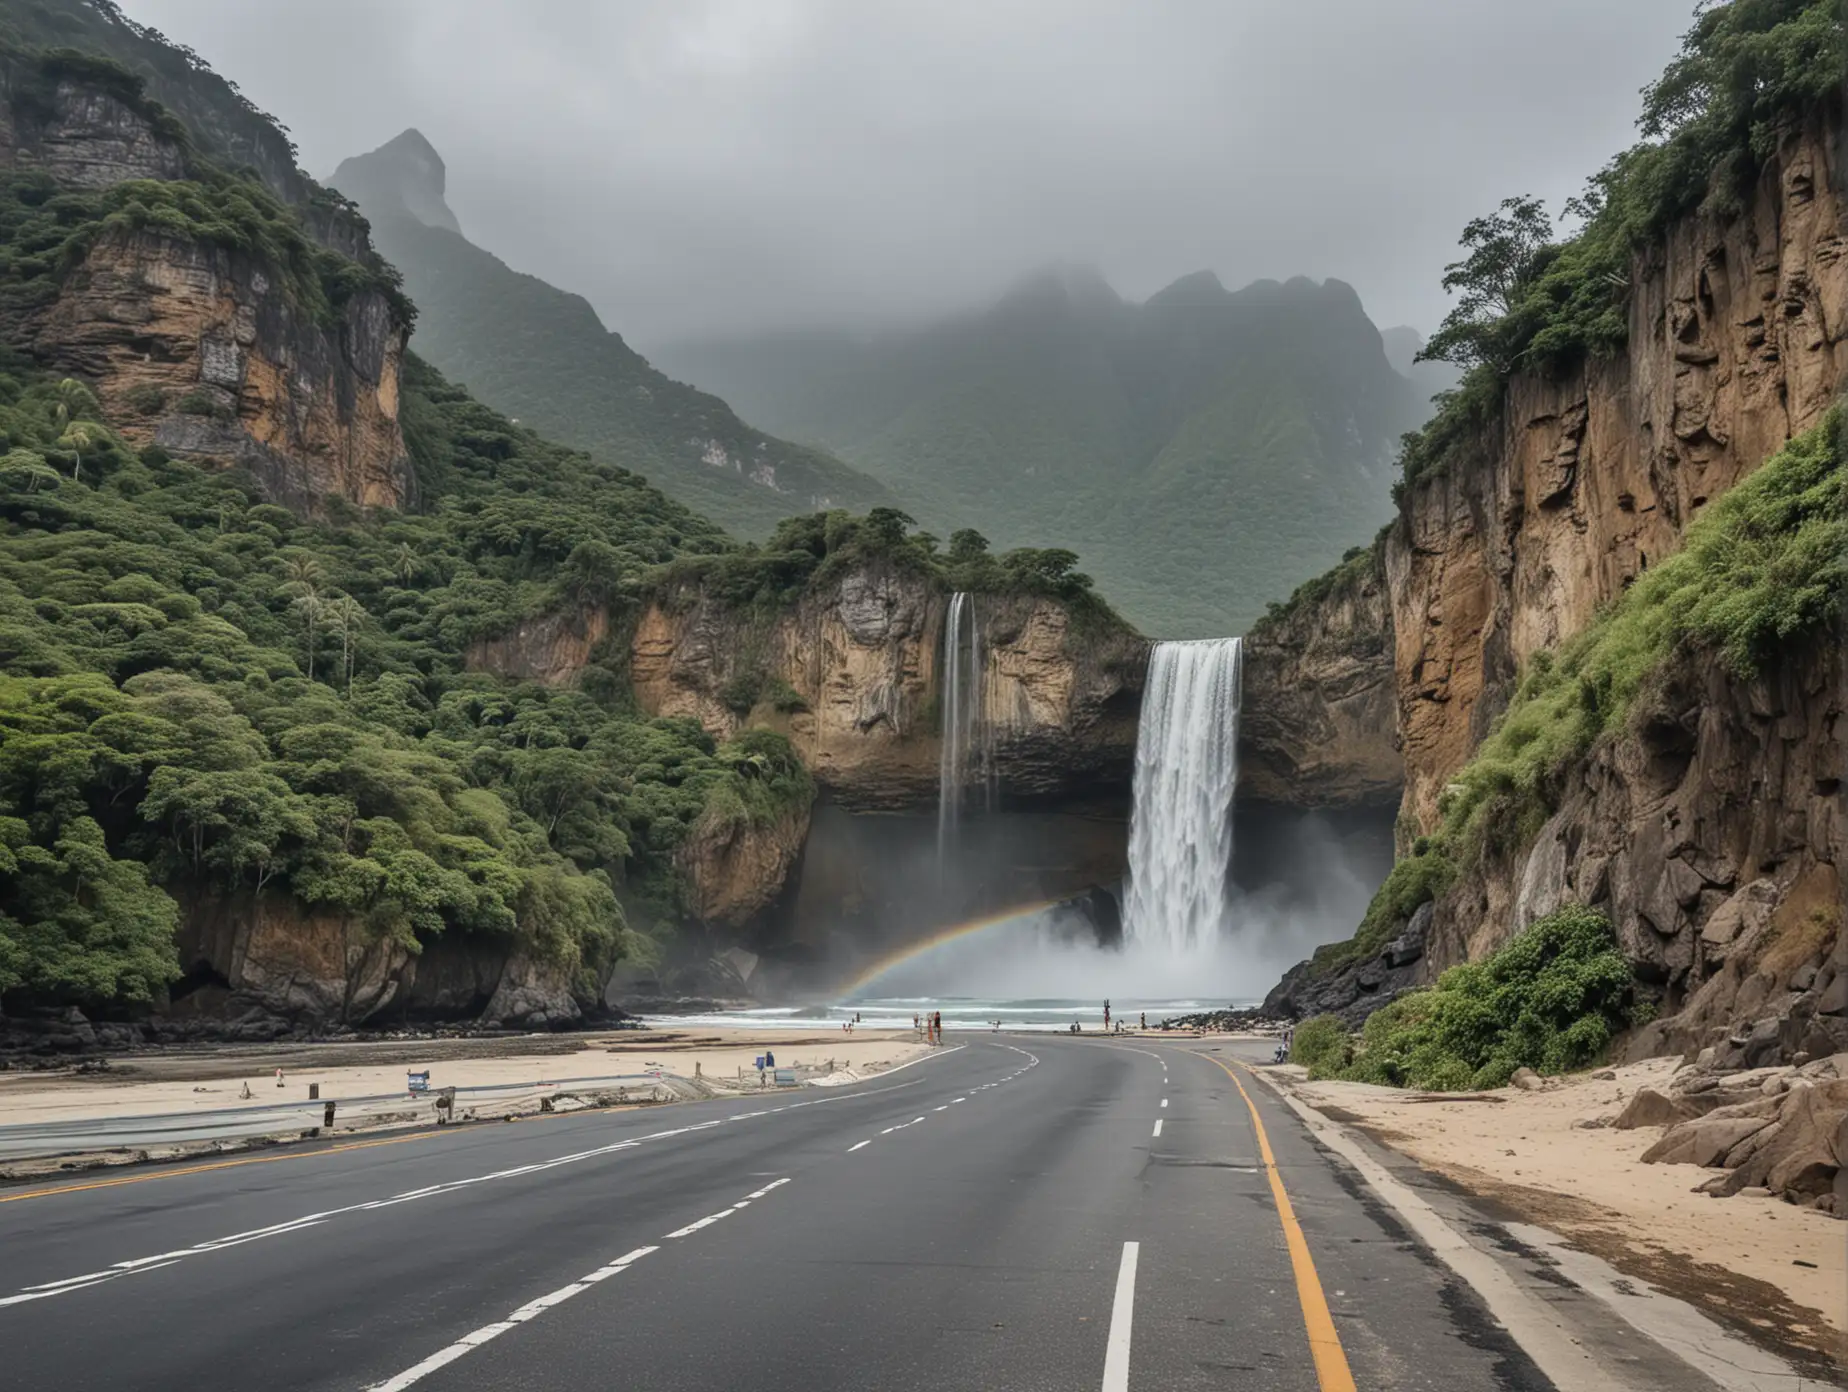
x=1206, y=451
x=541, y=355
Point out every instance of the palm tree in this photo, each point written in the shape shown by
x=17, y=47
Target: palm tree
x=404, y=562
x=303, y=572
x=349, y=614
x=71, y=399
x=311, y=607
x=79, y=436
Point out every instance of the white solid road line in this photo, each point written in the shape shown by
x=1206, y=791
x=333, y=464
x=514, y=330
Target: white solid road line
x=533, y=1308
x=1158, y=1128
x=1122, y=1315
x=857, y=1145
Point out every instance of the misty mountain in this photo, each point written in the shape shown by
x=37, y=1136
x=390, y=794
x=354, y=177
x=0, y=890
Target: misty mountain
x=1204, y=452
x=541, y=355
x=1403, y=344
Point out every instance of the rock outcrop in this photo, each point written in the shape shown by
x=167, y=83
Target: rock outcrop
x=81, y=135
x=1318, y=720
x=1738, y=340
x=208, y=351
x=735, y=868
x=551, y=649
x=850, y=673
x=1711, y=831
x=257, y=966
x=203, y=351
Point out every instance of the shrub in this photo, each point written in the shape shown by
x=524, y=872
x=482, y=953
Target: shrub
x=1321, y=1045
x=1549, y=1000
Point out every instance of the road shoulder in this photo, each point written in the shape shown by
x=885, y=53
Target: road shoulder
x=1574, y=1297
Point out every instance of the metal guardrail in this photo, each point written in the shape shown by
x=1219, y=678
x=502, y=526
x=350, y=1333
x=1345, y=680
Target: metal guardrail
x=41, y=1139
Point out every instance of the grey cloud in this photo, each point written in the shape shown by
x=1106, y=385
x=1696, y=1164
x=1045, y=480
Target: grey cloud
x=707, y=167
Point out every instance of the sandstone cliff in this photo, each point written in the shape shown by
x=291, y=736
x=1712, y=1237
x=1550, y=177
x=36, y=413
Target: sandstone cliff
x=1318, y=719
x=197, y=347
x=850, y=673
x=1710, y=826
x=736, y=868
x=258, y=966
x=1738, y=340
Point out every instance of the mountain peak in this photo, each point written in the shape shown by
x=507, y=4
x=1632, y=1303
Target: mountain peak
x=404, y=175
x=1197, y=288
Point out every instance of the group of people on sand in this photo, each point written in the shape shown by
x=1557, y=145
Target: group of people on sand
x=930, y=1024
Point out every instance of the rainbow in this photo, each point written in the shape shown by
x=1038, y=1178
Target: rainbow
x=879, y=968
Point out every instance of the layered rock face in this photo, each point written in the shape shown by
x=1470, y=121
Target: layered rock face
x=1318, y=719
x=258, y=966
x=1713, y=834
x=735, y=869
x=1738, y=340
x=83, y=137
x=201, y=349
x=850, y=674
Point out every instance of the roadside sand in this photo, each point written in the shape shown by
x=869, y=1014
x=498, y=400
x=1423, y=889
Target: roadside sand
x=1521, y=1150
x=215, y=1078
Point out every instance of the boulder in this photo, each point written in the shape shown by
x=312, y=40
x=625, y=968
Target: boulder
x=1526, y=1080
x=1703, y=1141
x=1652, y=1108
x=1800, y=1161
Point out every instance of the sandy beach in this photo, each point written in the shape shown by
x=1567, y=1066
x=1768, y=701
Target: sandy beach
x=1763, y=1260
x=208, y=1080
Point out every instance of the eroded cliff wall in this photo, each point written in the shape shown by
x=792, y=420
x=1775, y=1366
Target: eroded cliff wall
x=850, y=673
x=1318, y=724
x=1738, y=340
x=205, y=350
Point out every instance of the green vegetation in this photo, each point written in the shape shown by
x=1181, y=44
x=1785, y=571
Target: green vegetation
x=1550, y=1000
x=1205, y=451
x=542, y=356
x=203, y=693
x=1747, y=71
x=1358, y=565
x=806, y=553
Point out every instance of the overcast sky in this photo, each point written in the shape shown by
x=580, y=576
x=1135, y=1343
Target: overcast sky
x=712, y=167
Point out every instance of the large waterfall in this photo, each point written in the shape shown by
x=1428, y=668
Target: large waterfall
x=960, y=695
x=1180, y=832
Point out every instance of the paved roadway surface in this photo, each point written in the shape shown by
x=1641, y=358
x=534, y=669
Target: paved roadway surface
x=1018, y=1213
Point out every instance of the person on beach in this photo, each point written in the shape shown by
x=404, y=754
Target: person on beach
x=1145, y=1019
x=1106, y=1014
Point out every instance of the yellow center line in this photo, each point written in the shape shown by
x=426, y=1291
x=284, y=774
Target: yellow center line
x=1331, y=1365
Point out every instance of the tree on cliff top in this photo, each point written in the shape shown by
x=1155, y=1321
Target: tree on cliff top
x=1505, y=254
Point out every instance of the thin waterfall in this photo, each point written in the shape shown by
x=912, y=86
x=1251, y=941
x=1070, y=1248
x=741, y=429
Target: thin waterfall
x=960, y=696
x=1180, y=830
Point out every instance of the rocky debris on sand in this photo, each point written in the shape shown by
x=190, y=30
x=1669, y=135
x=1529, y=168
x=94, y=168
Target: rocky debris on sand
x=1777, y=1131
x=1231, y=1020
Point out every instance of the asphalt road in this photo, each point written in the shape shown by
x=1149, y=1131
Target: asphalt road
x=1017, y=1213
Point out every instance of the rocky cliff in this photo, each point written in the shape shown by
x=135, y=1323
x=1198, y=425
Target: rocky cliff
x=1318, y=719
x=258, y=966
x=199, y=349
x=206, y=349
x=850, y=672
x=1738, y=339
x=1708, y=822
